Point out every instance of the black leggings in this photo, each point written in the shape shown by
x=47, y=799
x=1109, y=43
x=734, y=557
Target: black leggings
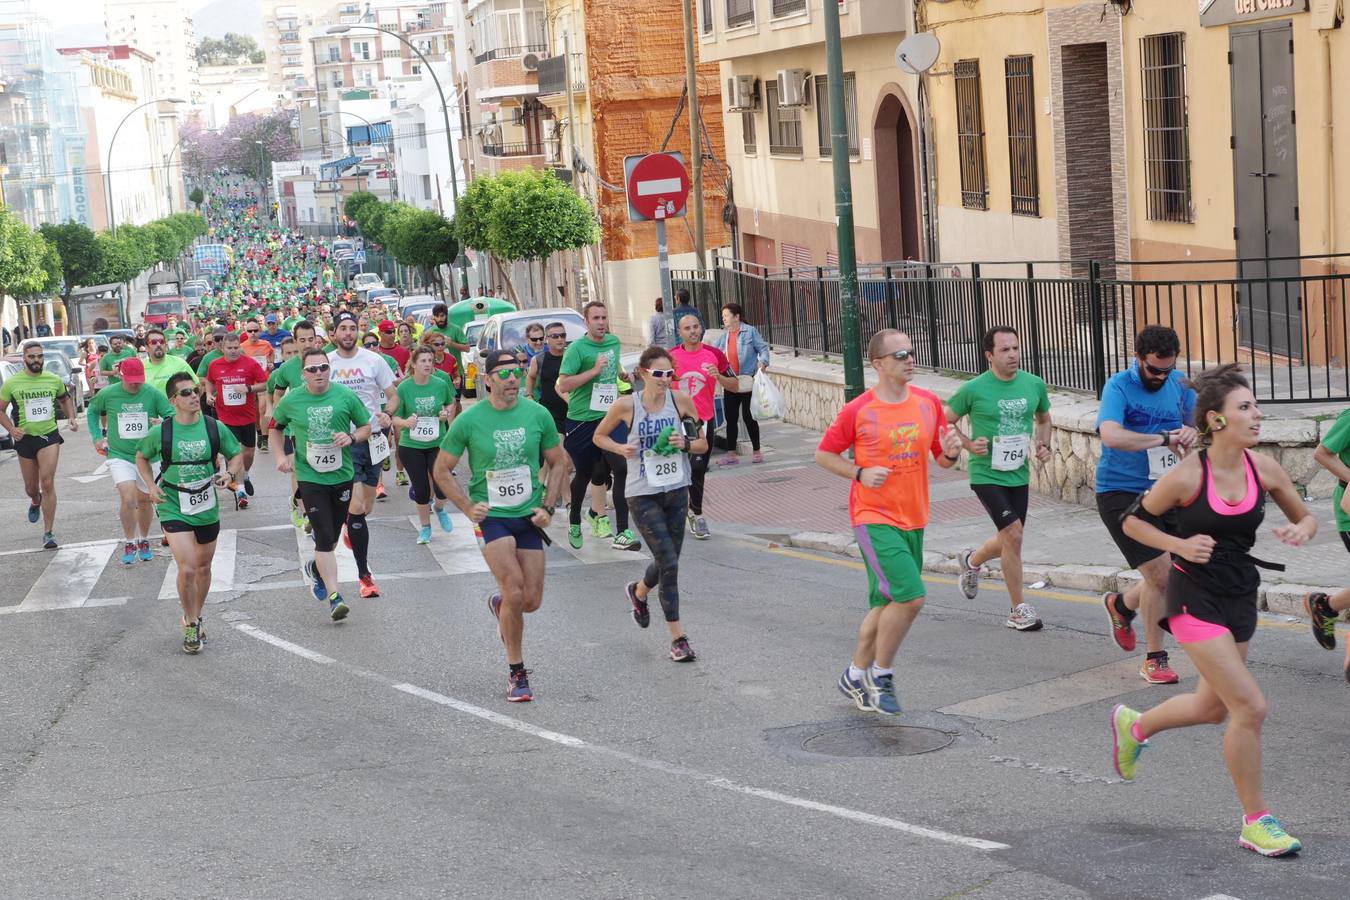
x=660, y=520
x=738, y=405
x=698, y=470
x=326, y=507
x=419, y=464
x=605, y=464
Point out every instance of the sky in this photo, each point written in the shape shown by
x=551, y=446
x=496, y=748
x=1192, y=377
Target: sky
x=83, y=23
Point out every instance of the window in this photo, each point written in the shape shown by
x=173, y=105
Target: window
x=360, y=49
x=740, y=12
x=335, y=53
x=850, y=113
x=1167, y=162
x=780, y=8
x=785, y=126
x=970, y=135
x=705, y=15
x=748, y=131
x=426, y=187
x=1026, y=192
x=420, y=135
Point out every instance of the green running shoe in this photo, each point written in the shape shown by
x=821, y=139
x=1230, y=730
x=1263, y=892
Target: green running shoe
x=574, y=536
x=192, y=642
x=626, y=540
x=1323, y=619
x=1267, y=837
x=297, y=518
x=600, y=526
x=1126, y=747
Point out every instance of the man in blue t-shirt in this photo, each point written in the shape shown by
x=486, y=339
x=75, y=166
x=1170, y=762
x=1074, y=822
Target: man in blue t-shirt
x=1145, y=426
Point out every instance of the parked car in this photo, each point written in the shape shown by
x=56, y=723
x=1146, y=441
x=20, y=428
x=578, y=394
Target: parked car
x=343, y=245
x=58, y=365
x=362, y=282
x=416, y=300
x=127, y=333
x=68, y=346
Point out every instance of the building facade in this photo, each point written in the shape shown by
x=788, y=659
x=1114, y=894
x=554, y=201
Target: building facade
x=164, y=30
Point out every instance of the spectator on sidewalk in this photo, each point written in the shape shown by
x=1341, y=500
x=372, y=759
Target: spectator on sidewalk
x=747, y=354
x=658, y=326
x=683, y=308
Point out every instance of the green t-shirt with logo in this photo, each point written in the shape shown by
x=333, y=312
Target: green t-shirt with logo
x=581, y=356
x=1338, y=442
x=311, y=418
x=107, y=364
x=1004, y=412
x=205, y=362
x=157, y=374
x=36, y=396
x=504, y=450
x=129, y=417
x=190, y=443
x=423, y=400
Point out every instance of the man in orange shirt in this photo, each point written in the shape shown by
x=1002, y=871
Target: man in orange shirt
x=891, y=429
x=260, y=351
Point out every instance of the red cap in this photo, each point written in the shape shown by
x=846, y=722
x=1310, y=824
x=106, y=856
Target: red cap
x=132, y=371
x=387, y=326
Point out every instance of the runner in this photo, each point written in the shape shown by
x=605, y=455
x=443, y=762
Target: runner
x=542, y=382
x=423, y=409
x=369, y=376
x=284, y=378
x=390, y=347
x=1333, y=454
x=129, y=408
x=232, y=383
x=700, y=368
x=1003, y=403
x=505, y=436
x=455, y=340
x=1219, y=498
x=325, y=422
x=889, y=428
x=160, y=364
x=36, y=436
x=118, y=350
x=188, y=447
x=590, y=375
x=663, y=428
x=1145, y=425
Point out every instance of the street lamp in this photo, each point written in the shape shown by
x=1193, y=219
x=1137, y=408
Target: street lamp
x=445, y=111
x=107, y=172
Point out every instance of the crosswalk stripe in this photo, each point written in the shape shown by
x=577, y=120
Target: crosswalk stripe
x=69, y=578
x=222, y=567
x=346, y=562
x=594, y=551
x=456, y=553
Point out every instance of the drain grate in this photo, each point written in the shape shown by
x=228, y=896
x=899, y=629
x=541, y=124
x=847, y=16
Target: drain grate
x=878, y=740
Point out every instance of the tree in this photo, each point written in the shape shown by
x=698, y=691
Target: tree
x=22, y=255
x=121, y=261
x=370, y=219
x=473, y=213
x=228, y=50
x=197, y=197
x=352, y=205
x=421, y=237
x=79, y=252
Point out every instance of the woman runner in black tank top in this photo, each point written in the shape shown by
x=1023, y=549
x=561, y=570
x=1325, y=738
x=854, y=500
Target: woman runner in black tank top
x=1218, y=495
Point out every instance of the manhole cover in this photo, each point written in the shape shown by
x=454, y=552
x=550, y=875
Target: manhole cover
x=878, y=740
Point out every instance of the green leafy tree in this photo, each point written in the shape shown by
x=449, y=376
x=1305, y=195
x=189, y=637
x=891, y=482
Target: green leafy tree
x=79, y=252
x=371, y=218
x=120, y=258
x=22, y=251
x=197, y=197
x=421, y=237
x=51, y=266
x=354, y=203
x=534, y=215
x=165, y=243
x=474, y=211
x=228, y=50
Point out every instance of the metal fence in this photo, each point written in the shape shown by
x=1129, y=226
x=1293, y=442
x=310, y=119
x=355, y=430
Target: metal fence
x=1291, y=331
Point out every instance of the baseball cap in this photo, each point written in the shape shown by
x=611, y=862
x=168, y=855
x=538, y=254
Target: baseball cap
x=387, y=326
x=270, y=318
x=132, y=371
x=344, y=316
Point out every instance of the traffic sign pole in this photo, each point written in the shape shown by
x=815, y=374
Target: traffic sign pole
x=663, y=261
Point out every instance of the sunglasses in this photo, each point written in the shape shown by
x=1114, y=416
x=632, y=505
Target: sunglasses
x=253, y=330
x=562, y=335
x=661, y=373
x=154, y=343
x=507, y=372
x=185, y=392
x=901, y=355
x=1155, y=370
x=537, y=340
x=439, y=345
x=315, y=370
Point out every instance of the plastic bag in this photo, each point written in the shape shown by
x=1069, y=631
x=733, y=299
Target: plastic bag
x=766, y=401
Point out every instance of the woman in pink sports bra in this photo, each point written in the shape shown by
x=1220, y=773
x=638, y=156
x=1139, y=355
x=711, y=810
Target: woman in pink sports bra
x=1219, y=498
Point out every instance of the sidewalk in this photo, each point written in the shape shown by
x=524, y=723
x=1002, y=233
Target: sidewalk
x=790, y=500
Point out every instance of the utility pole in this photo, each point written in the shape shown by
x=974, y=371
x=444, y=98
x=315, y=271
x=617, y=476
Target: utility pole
x=572, y=142
x=843, y=204
x=695, y=138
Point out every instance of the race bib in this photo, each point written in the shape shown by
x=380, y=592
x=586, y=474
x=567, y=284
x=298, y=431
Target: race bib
x=233, y=394
x=37, y=409
x=603, y=397
x=1010, y=452
x=379, y=448
x=663, y=471
x=426, y=429
x=509, y=487
x=132, y=426
x=196, y=502
x=1161, y=460
x=323, y=458
x=276, y=355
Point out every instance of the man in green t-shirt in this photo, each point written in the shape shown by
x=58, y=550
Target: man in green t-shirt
x=1333, y=454
x=505, y=437
x=185, y=493
x=129, y=409
x=324, y=420
x=1009, y=412
x=179, y=345
x=36, y=438
x=160, y=365
x=118, y=350
x=455, y=340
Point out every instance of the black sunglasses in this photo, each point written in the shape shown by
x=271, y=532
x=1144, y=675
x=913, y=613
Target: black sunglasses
x=901, y=355
x=185, y=392
x=562, y=335
x=1155, y=370
x=536, y=340
x=315, y=370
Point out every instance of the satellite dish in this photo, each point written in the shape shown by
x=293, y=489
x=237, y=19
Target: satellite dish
x=917, y=53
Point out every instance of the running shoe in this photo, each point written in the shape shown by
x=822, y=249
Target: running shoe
x=641, y=614
x=144, y=551
x=380, y=492
x=1267, y=837
x=854, y=691
x=129, y=554
x=248, y=486
x=881, y=693
x=574, y=536
x=401, y=479
x=680, y=651
x=443, y=519
x=757, y=457
x=319, y=588
x=48, y=541
x=518, y=687
x=297, y=518
x=1323, y=619
x=1023, y=618
x=970, y=575
x=1125, y=746
x=1157, y=671
x=241, y=500
x=386, y=464
x=264, y=445
x=626, y=540
x=730, y=459
x=424, y=534
x=35, y=512
x=698, y=527
x=337, y=607
x=600, y=526
x=1122, y=628
x=192, y=639
x=369, y=589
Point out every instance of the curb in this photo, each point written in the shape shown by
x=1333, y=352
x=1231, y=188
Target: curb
x=1282, y=598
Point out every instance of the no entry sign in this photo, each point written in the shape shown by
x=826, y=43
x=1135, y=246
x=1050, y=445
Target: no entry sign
x=657, y=185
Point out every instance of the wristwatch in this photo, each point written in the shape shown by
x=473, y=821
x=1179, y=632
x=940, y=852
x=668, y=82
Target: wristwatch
x=548, y=508
x=1166, y=437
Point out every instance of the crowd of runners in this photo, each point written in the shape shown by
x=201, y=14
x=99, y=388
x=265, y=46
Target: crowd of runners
x=279, y=359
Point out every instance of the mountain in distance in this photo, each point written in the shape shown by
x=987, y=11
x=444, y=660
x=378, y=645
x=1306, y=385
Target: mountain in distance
x=221, y=16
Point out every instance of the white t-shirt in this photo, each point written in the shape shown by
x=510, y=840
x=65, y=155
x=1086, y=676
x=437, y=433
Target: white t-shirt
x=364, y=372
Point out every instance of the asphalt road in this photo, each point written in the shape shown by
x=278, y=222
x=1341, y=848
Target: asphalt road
x=378, y=758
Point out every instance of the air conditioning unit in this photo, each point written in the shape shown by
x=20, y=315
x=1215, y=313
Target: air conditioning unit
x=792, y=87
x=741, y=93
x=530, y=62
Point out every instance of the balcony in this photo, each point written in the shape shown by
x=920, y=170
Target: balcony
x=518, y=148
x=553, y=74
x=509, y=53
x=498, y=158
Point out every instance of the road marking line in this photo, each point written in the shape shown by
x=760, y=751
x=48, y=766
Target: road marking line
x=594, y=551
x=576, y=743
x=222, y=568
x=99, y=473
x=68, y=578
x=456, y=553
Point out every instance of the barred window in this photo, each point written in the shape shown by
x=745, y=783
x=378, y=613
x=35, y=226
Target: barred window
x=1167, y=162
x=1026, y=191
x=785, y=123
x=748, y=130
x=970, y=135
x=850, y=113
x=780, y=8
x=740, y=12
x=706, y=15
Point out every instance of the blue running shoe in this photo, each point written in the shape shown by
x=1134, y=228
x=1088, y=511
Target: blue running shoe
x=447, y=523
x=129, y=554
x=854, y=691
x=518, y=687
x=337, y=608
x=319, y=588
x=881, y=693
x=424, y=534
x=35, y=512
x=144, y=551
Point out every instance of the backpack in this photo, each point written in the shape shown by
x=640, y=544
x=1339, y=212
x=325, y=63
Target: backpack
x=166, y=446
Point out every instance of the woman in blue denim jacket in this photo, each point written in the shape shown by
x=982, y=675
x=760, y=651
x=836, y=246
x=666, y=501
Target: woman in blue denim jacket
x=747, y=353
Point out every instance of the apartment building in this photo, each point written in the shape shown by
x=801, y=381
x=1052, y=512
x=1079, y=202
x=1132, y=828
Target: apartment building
x=288, y=27
x=164, y=30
